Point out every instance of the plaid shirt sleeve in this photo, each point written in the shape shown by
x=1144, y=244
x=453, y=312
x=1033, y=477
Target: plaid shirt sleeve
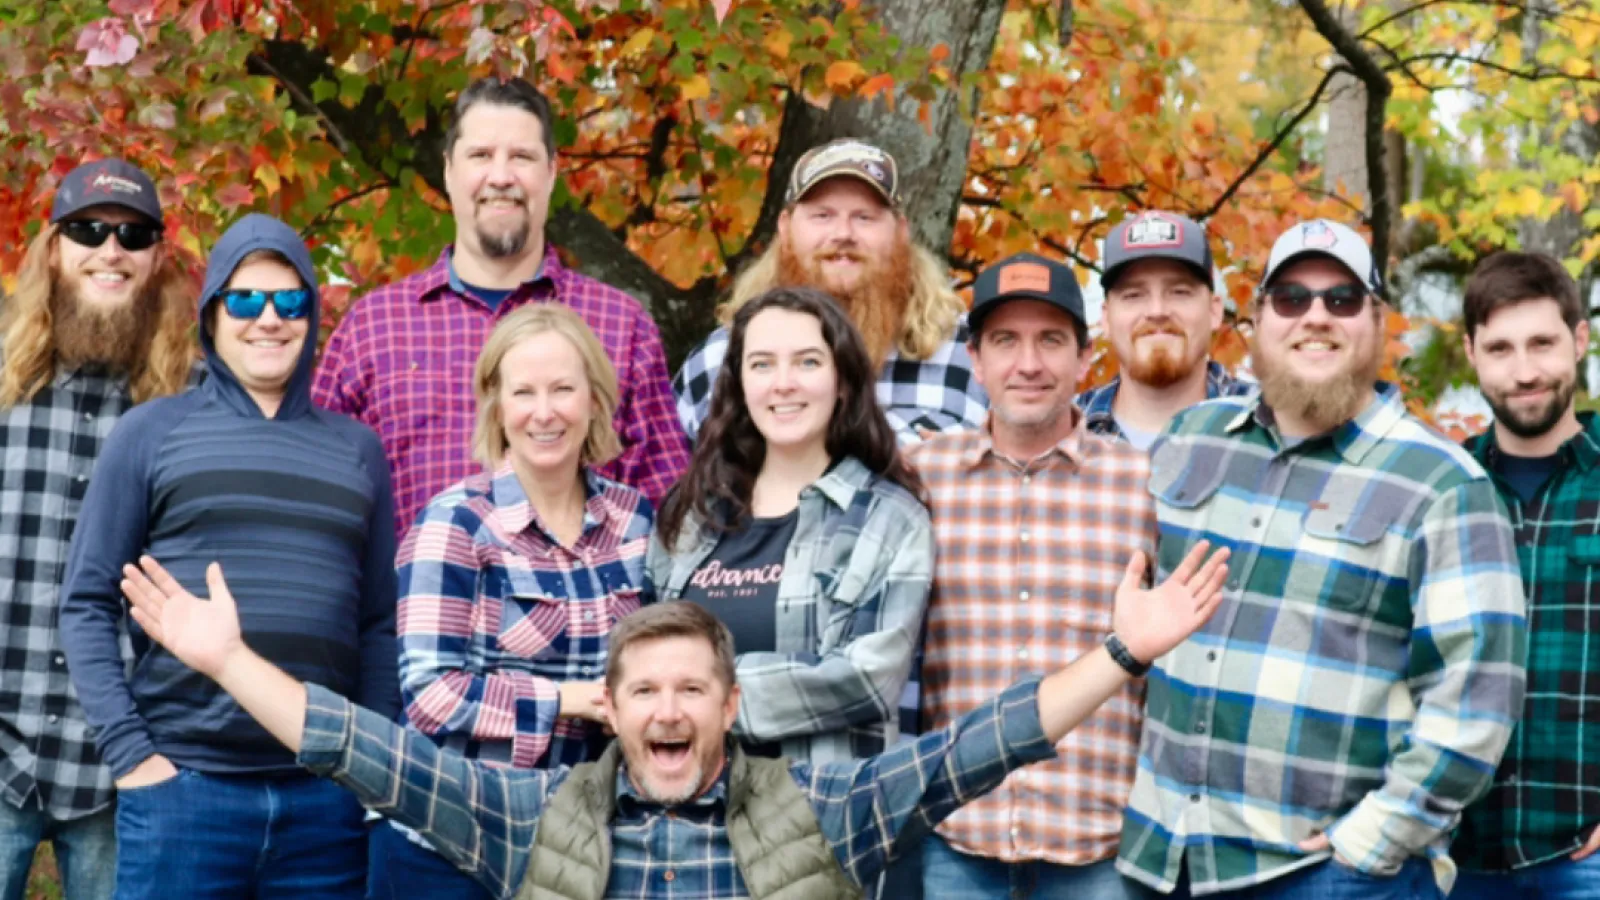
x=696, y=379
x=868, y=809
x=443, y=695
x=479, y=817
x=334, y=387
x=1467, y=656
x=656, y=453
x=861, y=678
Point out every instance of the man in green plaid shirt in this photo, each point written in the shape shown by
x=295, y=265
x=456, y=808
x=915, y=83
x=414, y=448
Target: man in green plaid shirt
x=1534, y=835
x=1320, y=736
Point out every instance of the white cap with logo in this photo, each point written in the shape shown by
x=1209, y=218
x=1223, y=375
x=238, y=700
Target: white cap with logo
x=1324, y=237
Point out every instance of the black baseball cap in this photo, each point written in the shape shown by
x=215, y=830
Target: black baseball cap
x=106, y=181
x=1025, y=276
x=1154, y=234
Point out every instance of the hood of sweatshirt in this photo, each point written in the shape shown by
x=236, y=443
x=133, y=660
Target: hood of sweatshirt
x=249, y=234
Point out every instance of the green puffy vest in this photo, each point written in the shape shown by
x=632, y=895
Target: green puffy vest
x=774, y=832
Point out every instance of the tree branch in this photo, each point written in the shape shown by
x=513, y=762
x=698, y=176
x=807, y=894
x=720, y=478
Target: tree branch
x=1270, y=148
x=326, y=216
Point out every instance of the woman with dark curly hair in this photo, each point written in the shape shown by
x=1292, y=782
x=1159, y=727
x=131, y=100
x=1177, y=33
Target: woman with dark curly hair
x=802, y=528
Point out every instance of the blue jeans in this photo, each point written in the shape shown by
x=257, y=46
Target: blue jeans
x=401, y=870
x=1330, y=880
x=949, y=874
x=86, y=851
x=1558, y=879
x=236, y=837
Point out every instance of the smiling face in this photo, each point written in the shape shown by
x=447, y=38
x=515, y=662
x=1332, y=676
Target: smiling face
x=1527, y=363
x=107, y=278
x=790, y=383
x=546, y=406
x=499, y=177
x=1317, y=371
x=262, y=352
x=841, y=233
x=1159, y=317
x=1028, y=360
x=671, y=713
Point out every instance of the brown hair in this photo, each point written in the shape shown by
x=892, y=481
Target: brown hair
x=730, y=449
x=28, y=350
x=1508, y=278
x=601, y=444
x=931, y=311
x=677, y=618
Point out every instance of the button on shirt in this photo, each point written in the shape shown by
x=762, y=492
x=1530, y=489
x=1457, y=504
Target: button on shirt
x=484, y=819
x=1028, y=562
x=401, y=361
x=917, y=395
x=1364, y=669
x=51, y=442
x=1546, y=793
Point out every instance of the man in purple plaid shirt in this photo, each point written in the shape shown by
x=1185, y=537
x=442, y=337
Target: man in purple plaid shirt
x=401, y=360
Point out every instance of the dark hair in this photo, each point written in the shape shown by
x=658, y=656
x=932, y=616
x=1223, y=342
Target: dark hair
x=730, y=450
x=1508, y=278
x=658, y=621
x=512, y=92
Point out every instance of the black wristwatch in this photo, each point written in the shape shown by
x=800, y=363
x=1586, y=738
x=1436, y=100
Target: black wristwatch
x=1119, y=652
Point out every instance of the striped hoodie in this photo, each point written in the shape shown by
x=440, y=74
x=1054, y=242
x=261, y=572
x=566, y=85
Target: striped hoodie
x=296, y=508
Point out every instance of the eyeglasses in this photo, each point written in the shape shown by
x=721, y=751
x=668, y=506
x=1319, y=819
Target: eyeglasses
x=294, y=303
x=131, y=236
x=1291, y=301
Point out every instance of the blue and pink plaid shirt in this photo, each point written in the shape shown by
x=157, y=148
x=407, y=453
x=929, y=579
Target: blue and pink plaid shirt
x=401, y=361
x=495, y=613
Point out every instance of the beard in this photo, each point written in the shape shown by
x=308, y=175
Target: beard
x=1324, y=403
x=117, y=338
x=514, y=238
x=1536, y=422
x=1161, y=367
x=876, y=303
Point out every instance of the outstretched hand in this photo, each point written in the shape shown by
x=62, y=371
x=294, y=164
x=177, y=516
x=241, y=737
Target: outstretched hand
x=203, y=634
x=1152, y=622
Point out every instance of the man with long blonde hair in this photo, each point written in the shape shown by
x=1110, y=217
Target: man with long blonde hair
x=98, y=322
x=843, y=230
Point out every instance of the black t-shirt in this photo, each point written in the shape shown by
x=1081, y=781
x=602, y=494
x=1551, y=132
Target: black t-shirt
x=1526, y=474
x=738, y=583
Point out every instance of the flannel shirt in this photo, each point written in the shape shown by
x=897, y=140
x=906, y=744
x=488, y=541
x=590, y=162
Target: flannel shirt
x=1029, y=559
x=850, y=606
x=47, y=755
x=928, y=395
x=484, y=819
x=1096, y=402
x=402, y=359
x=1546, y=794
x=1365, y=668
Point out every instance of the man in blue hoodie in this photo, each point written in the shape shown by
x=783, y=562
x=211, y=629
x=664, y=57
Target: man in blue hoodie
x=292, y=499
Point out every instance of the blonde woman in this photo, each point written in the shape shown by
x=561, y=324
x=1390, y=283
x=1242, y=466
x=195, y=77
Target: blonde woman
x=511, y=581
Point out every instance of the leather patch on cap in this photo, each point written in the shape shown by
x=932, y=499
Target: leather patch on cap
x=1025, y=276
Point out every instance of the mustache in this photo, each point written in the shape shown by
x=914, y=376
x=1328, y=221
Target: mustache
x=847, y=251
x=1158, y=328
x=516, y=194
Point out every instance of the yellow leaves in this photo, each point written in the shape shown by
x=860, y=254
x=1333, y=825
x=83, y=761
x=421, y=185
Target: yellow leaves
x=695, y=87
x=1525, y=202
x=639, y=42
x=843, y=74
x=267, y=176
x=1576, y=197
x=777, y=42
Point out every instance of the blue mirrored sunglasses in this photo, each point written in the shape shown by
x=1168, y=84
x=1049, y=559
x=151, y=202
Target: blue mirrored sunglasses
x=290, y=304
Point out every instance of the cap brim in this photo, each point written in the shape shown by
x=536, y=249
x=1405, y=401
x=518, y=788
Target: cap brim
x=845, y=173
x=1310, y=253
x=1109, y=276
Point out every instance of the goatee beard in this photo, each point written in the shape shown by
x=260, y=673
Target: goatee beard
x=116, y=338
x=1539, y=423
x=506, y=244
x=878, y=302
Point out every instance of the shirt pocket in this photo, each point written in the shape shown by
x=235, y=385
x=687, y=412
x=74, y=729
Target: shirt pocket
x=1340, y=558
x=423, y=388
x=532, y=619
x=620, y=603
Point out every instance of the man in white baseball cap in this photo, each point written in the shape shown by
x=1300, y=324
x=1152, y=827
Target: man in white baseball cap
x=1321, y=735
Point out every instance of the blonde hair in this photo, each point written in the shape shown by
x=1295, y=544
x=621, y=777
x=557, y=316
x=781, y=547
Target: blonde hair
x=28, y=346
x=601, y=444
x=931, y=313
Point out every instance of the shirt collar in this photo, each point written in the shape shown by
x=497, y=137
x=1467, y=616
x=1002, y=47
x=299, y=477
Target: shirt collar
x=442, y=275
x=1073, y=448
x=460, y=287
x=516, y=514
x=1097, y=403
x=66, y=375
x=1355, y=438
x=843, y=481
x=716, y=795
x=1582, y=449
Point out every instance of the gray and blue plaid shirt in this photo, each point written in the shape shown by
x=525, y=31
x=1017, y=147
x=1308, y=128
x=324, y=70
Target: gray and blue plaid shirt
x=917, y=395
x=47, y=755
x=1096, y=402
x=851, y=600
x=484, y=818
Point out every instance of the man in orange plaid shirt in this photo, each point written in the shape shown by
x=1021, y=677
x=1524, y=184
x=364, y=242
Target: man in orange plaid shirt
x=1035, y=518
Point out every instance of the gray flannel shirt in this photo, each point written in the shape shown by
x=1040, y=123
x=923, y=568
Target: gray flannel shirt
x=850, y=607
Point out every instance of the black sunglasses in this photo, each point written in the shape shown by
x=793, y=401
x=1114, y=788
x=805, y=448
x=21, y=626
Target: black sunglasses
x=131, y=236
x=1291, y=301
x=294, y=303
